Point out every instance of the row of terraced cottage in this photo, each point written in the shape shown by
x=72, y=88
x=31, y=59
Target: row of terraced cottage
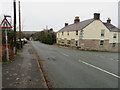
x=90, y=34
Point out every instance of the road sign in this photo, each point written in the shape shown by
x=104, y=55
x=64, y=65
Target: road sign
x=5, y=24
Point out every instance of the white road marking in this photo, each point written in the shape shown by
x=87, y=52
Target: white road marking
x=114, y=59
x=64, y=54
x=100, y=69
x=110, y=58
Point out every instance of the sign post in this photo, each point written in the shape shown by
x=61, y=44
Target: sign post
x=5, y=25
x=7, y=50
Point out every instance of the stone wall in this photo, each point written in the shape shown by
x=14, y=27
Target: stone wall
x=95, y=45
x=72, y=42
x=87, y=44
x=65, y=41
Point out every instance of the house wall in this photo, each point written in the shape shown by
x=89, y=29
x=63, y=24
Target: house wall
x=91, y=37
x=72, y=35
x=114, y=40
x=93, y=31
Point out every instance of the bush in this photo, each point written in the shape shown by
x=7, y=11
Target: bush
x=50, y=39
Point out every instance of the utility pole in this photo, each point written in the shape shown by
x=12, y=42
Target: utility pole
x=20, y=26
x=14, y=6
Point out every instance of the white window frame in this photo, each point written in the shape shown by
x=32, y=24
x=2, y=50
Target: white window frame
x=101, y=44
x=76, y=43
x=114, y=35
x=62, y=33
x=69, y=42
x=102, y=33
x=76, y=32
x=68, y=33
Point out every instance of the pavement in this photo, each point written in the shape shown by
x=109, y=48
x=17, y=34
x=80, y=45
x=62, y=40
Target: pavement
x=23, y=72
x=68, y=68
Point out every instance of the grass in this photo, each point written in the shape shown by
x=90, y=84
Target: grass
x=6, y=62
x=10, y=61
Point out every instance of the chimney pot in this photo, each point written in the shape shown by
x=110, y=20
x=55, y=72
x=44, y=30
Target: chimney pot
x=76, y=20
x=66, y=24
x=96, y=16
x=109, y=20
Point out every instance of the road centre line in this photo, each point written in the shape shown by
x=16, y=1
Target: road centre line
x=64, y=54
x=114, y=59
x=99, y=69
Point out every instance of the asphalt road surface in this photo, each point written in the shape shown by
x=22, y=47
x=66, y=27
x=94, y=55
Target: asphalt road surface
x=69, y=68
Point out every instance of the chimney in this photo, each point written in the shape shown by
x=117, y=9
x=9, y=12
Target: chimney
x=66, y=24
x=109, y=20
x=96, y=16
x=76, y=20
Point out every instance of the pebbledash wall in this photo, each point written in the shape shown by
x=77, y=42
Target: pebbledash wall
x=89, y=38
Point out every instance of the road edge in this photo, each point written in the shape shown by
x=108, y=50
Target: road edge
x=47, y=83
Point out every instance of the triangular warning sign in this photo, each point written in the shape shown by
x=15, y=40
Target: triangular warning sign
x=5, y=24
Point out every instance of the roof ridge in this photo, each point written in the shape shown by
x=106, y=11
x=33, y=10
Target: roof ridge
x=80, y=26
x=111, y=27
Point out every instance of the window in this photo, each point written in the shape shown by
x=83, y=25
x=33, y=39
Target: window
x=114, y=44
x=67, y=33
x=76, y=32
x=62, y=33
x=115, y=36
x=102, y=32
x=58, y=41
x=81, y=34
x=76, y=43
x=62, y=41
x=68, y=41
x=101, y=43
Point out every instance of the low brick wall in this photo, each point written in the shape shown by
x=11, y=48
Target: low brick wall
x=0, y=53
x=3, y=53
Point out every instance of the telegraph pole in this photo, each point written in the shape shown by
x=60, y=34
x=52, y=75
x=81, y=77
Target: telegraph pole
x=20, y=26
x=14, y=6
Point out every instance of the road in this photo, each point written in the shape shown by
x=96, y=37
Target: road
x=69, y=68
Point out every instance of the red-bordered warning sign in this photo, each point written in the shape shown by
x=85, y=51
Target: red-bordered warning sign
x=5, y=24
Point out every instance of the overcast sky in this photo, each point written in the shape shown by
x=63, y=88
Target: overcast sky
x=36, y=14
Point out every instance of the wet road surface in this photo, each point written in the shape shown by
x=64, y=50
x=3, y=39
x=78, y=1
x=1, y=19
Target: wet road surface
x=69, y=68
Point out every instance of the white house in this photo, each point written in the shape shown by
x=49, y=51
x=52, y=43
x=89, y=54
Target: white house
x=91, y=34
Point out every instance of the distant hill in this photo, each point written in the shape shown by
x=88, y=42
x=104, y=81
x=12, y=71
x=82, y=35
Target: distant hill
x=30, y=32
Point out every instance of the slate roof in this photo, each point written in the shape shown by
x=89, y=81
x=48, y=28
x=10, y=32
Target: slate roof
x=111, y=27
x=81, y=25
x=77, y=26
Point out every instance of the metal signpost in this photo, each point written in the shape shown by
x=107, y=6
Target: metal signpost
x=5, y=25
